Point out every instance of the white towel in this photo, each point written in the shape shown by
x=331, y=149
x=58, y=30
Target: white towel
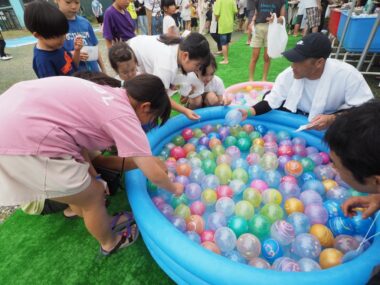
x=320, y=97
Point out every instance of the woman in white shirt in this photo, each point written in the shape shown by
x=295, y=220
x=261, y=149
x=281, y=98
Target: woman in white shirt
x=166, y=57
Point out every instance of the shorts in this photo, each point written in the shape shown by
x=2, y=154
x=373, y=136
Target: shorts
x=26, y=178
x=194, y=22
x=209, y=15
x=225, y=39
x=260, y=38
x=298, y=20
x=250, y=13
x=99, y=19
x=313, y=17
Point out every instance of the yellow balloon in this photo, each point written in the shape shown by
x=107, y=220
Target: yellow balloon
x=330, y=257
x=293, y=205
x=323, y=234
x=209, y=197
x=272, y=196
x=259, y=141
x=329, y=184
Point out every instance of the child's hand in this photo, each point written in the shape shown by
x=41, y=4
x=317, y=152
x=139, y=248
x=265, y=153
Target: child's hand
x=370, y=204
x=247, y=111
x=191, y=115
x=321, y=122
x=83, y=56
x=178, y=189
x=78, y=43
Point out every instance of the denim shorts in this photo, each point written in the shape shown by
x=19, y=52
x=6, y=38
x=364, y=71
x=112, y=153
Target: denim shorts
x=225, y=39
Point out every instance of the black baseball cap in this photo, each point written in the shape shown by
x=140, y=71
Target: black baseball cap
x=314, y=45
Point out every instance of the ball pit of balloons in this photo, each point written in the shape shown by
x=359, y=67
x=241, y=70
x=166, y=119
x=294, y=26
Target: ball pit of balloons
x=248, y=95
x=260, y=197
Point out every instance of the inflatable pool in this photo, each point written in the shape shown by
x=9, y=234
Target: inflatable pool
x=247, y=93
x=188, y=263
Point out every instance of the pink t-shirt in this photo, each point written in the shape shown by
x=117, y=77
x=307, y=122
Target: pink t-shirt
x=58, y=116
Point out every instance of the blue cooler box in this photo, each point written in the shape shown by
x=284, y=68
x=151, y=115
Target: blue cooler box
x=358, y=32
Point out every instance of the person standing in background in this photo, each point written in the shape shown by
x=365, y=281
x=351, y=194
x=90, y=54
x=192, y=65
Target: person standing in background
x=97, y=10
x=142, y=20
x=250, y=14
x=3, y=55
x=225, y=11
x=264, y=10
x=202, y=10
x=157, y=18
x=132, y=11
x=312, y=14
x=118, y=24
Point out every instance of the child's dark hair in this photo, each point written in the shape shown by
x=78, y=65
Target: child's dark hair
x=45, y=19
x=98, y=78
x=195, y=44
x=149, y=88
x=166, y=4
x=355, y=138
x=120, y=52
x=211, y=63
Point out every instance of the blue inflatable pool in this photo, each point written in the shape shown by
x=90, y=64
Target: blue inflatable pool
x=188, y=263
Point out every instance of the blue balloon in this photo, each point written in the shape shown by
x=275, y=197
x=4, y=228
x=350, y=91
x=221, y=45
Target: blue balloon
x=213, y=135
x=300, y=222
x=233, y=117
x=306, y=176
x=235, y=256
x=333, y=209
x=240, y=163
x=362, y=226
x=261, y=129
x=255, y=172
x=272, y=178
x=271, y=249
x=315, y=185
x=194, y=237
x=193, y=141
x=341, y=226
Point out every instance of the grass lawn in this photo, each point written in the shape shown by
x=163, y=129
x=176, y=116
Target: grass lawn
x=54, y=250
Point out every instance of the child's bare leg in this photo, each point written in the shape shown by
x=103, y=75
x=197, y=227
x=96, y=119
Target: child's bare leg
x=252, y=64
x=266, y=65
x=195, y=103
x=211, y=99
x=97, y=221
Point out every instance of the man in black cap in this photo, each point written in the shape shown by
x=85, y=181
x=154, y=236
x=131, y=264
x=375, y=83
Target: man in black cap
x=315, y=85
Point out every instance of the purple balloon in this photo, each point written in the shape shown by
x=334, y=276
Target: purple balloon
x=204, y=141
x=193, y=191
x=310, y=197
x=184, y=180
x=317, y=214
x=282, y=160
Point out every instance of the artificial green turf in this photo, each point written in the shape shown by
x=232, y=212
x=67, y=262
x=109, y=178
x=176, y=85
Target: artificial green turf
x=54, y=250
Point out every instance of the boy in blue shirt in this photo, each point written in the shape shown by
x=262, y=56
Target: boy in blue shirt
x=49, y=26
x=90, y=58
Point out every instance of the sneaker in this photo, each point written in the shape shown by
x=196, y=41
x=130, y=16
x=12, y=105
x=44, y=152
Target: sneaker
x=7, y=57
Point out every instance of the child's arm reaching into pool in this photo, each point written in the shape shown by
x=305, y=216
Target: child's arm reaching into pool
x=157, y=175
x=187, y=112
x=370, y=205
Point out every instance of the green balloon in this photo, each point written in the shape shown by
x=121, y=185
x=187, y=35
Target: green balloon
x=355, y=193
x=238, y=225
x=257, y=149
x=182, y=211
x=208, y=166
x=234, y=131
x=244, y=209
x=178, y=140
x=206, y=154
x=307, y=164
x=198, y=133
x=272, y=211
x=254, y=135
x=259, y=225
x=253, y=196
x=230, y=141
x=224, y=173
x=240, y=174
x=175, y=201
x=242, y=134
x=244, y=144
x=218, y=150
x=192, y=154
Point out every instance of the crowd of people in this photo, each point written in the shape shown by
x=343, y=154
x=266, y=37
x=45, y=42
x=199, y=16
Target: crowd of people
x=57, y=147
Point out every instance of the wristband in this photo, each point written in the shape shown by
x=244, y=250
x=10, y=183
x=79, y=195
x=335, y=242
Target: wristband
x=98, y=177
x=248, y=110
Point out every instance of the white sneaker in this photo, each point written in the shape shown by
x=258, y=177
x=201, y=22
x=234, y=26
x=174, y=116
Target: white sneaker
x=7, y=57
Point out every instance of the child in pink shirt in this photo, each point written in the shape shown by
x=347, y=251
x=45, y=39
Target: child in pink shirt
x=48, y=125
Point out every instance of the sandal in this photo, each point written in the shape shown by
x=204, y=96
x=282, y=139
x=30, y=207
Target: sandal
x=117, y=227
x=126, y=240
